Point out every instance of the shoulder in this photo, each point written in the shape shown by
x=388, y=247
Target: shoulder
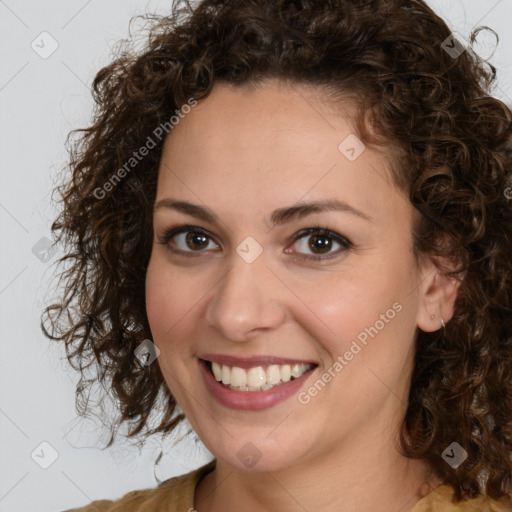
x=175, y=494
x=440, y=500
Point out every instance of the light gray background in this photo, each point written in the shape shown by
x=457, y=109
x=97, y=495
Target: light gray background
x=41, y=100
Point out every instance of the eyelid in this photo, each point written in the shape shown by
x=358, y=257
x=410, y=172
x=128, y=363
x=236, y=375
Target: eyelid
x=176, y=229
x=343, y=241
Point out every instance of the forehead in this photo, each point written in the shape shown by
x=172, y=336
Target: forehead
x=264, y=116
x=277, y=144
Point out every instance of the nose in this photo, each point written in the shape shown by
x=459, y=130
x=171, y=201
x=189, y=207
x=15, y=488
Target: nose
x=247, y=300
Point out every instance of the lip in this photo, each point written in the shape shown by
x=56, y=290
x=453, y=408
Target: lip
x=251, y=400
x=251, y=362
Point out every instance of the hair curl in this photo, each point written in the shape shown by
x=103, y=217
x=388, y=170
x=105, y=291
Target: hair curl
x=454, y=139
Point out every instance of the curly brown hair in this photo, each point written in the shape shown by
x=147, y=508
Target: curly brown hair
x=453, y=157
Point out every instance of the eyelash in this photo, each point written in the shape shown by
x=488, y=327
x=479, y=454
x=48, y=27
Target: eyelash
x=174, y=230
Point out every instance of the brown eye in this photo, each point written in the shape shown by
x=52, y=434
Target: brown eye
x=318, y=242
x=196, y=240
x=187, y=240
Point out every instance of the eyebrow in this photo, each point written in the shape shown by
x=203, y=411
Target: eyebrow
x=277, y=217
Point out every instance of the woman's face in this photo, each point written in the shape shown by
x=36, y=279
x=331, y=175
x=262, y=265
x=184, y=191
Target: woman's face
x=249, y=293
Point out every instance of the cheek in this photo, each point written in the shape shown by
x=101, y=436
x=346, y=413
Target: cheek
x=169, y=297
x=168, y=306
x=169, y=303
x=367, y=311
x=365, y=353
x=349, y=300
x=157, y=301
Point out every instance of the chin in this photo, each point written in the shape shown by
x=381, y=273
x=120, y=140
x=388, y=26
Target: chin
x=255, y=453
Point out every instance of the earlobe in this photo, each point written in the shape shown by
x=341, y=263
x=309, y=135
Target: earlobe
x=437, y=301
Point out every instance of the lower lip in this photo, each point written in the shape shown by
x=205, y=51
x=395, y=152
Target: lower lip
x=251, y=400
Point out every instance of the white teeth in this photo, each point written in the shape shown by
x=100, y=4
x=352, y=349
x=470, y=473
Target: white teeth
x=226, y=374
x=238, y=377
x=257, y=379
x=217, y=371
x=286, y=372
x=273, y=374
x=295, y=369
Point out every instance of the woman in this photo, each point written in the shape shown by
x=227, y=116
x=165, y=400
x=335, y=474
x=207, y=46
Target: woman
x=292, y=219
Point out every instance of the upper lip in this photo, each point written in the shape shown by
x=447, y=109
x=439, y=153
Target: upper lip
x=250, y=362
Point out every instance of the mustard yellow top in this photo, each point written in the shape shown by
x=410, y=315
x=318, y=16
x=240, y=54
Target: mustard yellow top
x=177, y=495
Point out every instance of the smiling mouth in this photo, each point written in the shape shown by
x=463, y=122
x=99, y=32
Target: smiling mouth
x=257, y=378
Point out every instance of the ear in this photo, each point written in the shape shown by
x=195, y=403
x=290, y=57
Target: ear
x=437, y=296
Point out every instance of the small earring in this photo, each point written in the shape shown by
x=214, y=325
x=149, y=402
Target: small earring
x=431, y=317
x=442, y=323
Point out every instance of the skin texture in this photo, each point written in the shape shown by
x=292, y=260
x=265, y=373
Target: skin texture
x=244, y=152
